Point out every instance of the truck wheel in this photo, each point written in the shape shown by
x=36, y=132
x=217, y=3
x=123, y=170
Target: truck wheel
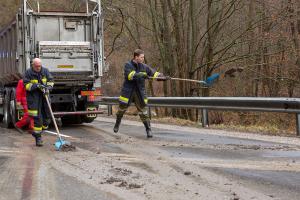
x=13, y=109
x=7, y=123
x=86, y=119
x=91, y=118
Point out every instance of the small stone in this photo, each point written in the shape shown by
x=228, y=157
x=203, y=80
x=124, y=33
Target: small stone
x=122, y=184
x=187, y=173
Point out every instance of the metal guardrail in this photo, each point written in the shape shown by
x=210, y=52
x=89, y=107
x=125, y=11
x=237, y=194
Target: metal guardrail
x=283, y=105
x=59, y=114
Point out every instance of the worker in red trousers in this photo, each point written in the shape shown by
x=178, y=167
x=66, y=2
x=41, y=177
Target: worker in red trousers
x=21, y=101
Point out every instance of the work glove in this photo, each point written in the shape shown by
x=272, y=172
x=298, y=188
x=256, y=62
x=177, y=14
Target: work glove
x=49, y=87
x=19, y=106
x=141, y=75
x=44, y=89
x=163, y=78
x=40, y=87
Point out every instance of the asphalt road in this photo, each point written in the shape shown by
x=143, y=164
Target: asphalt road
x=178, y=163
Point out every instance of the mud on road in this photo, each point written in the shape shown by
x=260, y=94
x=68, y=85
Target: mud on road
x=178, y=163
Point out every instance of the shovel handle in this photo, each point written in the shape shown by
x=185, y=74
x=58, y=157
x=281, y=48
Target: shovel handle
x=182, y=79
x=188, y=80
x=53, y=118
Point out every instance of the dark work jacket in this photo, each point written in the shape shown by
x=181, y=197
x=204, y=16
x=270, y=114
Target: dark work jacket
x=133, y=84
x=33, y=93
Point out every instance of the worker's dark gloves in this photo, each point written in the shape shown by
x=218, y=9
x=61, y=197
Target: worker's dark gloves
x=141, y=75
x=49, y=87
x=163, y=78
x=40, y=87
x=44, y=89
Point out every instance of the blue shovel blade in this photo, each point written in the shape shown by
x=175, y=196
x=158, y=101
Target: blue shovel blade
x=58, y=144
x=211, y=79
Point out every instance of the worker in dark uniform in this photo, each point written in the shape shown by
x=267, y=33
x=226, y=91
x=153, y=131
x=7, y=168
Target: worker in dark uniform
x=36, y=79
x=133, y=90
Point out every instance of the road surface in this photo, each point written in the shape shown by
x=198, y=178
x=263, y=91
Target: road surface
x=178, y=163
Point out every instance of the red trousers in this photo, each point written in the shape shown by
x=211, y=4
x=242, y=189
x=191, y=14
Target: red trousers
x=26, y=120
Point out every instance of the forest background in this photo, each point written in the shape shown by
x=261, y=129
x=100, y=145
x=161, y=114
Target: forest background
x=196, y=38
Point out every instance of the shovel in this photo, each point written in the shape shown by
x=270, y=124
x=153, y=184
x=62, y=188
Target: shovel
x=208, y=82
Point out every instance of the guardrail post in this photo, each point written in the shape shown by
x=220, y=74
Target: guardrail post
x=149, y=112
x=204, y=118
x=109, y=110
x=298, y=124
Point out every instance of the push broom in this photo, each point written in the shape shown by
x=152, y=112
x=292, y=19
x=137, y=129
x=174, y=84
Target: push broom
x=60, y=144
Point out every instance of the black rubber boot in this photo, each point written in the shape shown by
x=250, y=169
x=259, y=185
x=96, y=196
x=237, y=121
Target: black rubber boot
x=117, y=124
x=148, y=129
x=38, y=139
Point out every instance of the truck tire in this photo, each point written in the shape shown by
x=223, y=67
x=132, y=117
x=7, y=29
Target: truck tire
x=13, y=109
x=86, y=119
x=7, y=123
